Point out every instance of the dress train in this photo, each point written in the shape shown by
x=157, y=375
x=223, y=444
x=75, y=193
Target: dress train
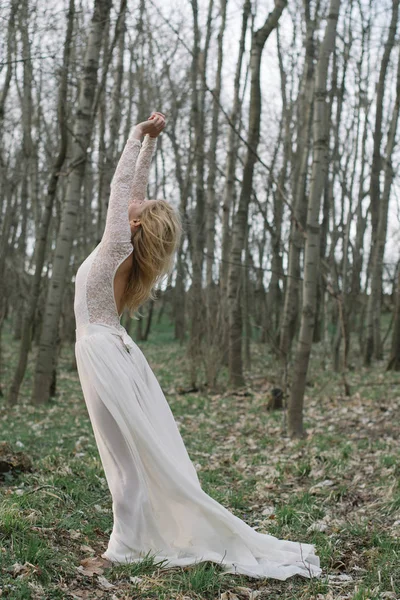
x=158, y=503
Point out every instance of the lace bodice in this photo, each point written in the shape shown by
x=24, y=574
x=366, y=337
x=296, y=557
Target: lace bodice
x=94, y=284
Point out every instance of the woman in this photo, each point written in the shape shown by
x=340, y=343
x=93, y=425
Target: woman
x=159, y=507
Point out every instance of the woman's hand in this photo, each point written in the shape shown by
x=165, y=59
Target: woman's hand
x=158, y=120
x=153, y=126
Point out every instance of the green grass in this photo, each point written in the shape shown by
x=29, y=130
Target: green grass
x=338, y=488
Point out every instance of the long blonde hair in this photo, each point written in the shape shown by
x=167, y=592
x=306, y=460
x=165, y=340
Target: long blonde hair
x=154, y=245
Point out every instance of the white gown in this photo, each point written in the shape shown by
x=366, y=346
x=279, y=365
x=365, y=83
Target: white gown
x=158, y=504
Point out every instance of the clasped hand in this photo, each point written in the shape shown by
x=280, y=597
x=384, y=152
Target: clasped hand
x=153, y=126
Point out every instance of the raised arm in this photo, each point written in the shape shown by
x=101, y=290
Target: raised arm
x=143, y=164
x=117, y=227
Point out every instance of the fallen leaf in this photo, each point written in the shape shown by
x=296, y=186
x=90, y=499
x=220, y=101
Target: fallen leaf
x=269, y=510
x=86, y=548
x=104, y=583
x=340, y=577
x=92, y=566
x=322, y=484
x=23, y=570
x=318, y=526
x=74, y=534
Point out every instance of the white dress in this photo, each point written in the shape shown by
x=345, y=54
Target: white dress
x=159, y=507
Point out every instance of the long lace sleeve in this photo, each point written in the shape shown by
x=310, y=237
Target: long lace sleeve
x=143, y=164
x=117, y=227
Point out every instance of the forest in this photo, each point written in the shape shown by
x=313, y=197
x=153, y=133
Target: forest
x=280, y=153
x=284, y=170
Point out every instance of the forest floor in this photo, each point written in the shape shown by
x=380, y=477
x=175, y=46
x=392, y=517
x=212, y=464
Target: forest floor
x=339, y=488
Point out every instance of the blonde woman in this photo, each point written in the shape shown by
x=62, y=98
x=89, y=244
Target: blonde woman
x=159, y=507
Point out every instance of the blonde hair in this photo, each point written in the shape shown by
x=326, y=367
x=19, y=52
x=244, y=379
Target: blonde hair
x=154, y=246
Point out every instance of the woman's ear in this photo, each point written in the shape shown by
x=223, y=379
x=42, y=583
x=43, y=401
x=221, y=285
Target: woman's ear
x=134, y=223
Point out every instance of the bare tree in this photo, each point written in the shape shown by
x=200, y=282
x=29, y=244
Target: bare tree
x=213, y=318
x=79, y=147
x=6, y=205
x=198, y=78
x=41, y=242
x=394, y=360
x=312, y=250
x=373, y=339
x=229, y=187
x=378, y=249
x=301, y=158
x=259, y=39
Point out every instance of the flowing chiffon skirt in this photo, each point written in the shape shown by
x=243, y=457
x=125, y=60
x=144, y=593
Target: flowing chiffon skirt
x=157, y=500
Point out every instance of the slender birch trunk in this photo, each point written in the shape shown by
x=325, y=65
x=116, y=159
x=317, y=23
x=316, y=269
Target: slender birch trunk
x=372, y=345
x=42, y=237
x=259, y=39
x=380, y=93
x=198, y=224
x=394, y=360
x=109, y=151
x=6, y=206
x=184, y=181
x=80, y=143
x=214, y=330
x=352, y=269
x=374, y=301
x=212, y=163
x=312, y=248
x=229, y=188
x=297, y=225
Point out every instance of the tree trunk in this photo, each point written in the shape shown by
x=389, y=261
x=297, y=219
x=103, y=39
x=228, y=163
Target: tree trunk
x=377, y=158
x=372, y=343
x=373, y=338
x=198, y=223
x=80, y=143
x=41, y=241
x=297, y=225
x=212, y=159
x=213, y=318
x=259, y=39
x=312, y=247
x=229, y=188
x=108, y=152
x=183, y=184
x=394, y=361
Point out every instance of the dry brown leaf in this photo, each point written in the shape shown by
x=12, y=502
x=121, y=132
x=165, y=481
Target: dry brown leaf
x=23, y=570
x=93, y=565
